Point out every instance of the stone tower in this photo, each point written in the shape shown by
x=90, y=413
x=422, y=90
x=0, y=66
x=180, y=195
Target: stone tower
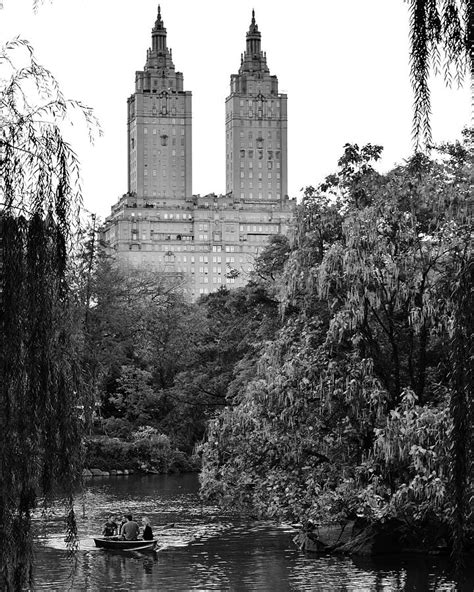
x=201, y=243
x=256, y=128
x=159, y=127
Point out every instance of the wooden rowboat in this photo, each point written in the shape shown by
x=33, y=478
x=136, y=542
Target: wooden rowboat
x=122, y=545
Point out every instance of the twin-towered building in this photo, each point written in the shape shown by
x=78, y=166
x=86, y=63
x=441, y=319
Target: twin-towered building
x=212, y=240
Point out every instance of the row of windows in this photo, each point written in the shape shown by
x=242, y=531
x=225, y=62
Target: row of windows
x=260, y=185
x=173, y=173
x=155, y=131
x=249, y=175
x=152, y=143
x=270, y=135
x=259, y=154
x=270, y=102
x=260, y=195
x=190, y=248
x=259, y=113
x=173, y=153
x=173, y=132
x=268, y=228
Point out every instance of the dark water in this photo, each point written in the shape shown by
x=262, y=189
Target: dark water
x=207, y=549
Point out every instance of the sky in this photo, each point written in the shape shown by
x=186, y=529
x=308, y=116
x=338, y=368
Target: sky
x=343, y=63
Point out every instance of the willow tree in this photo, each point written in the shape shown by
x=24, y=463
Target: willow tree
x=40, y=384
x=441, y=38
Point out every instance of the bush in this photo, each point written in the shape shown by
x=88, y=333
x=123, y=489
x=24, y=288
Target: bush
x=116, y=427
x=148, y=450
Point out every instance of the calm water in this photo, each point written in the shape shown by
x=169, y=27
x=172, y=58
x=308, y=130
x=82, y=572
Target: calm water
x=207, y=549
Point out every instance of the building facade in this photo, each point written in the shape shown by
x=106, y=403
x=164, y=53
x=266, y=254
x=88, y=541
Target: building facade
x=203, y=242
x=159, y=126
x=256, y=128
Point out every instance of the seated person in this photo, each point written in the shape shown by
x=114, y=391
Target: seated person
x=110, y=527
x=147, y=532
x=130, y=529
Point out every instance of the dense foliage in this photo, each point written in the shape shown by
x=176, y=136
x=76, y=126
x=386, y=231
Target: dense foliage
x=360, y=404
x=40, y=379
x=155, y=360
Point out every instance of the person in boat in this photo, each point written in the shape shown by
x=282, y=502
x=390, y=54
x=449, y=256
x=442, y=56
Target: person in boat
x=110, y=527
x=130, y=529
x=147, y=531
x=123, y=521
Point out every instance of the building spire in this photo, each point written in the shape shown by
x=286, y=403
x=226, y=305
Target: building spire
x=253, y=24
x=159, y=20
x=253, y=38
x=158, y=34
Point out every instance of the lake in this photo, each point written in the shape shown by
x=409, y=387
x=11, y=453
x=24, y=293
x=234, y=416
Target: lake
x=207, y=549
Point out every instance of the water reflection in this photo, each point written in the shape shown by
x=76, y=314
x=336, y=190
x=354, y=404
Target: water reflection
x=207, y=549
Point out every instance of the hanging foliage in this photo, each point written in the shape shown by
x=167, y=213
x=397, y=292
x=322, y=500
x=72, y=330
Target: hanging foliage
x=40, y=381
x=441, y=39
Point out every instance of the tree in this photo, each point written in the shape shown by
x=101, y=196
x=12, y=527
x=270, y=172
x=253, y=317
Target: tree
x=353, y=405
x=40, y=384
x=441, y=36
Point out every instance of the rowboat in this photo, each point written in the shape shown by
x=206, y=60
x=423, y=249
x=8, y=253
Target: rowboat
x=122, y=545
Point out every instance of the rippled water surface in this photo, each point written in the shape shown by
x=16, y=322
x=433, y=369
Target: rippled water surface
x=207, y=549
